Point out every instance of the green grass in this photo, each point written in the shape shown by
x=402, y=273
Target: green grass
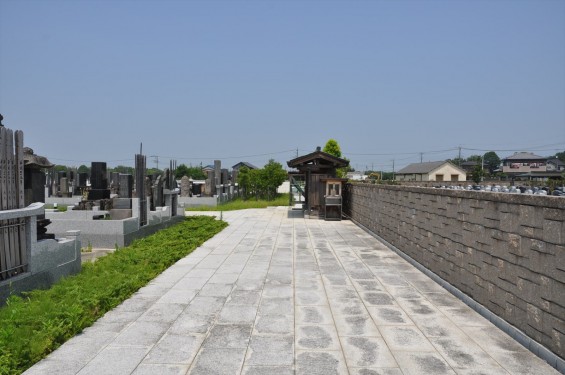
x=60, y=207
x=240, y=204
x=33, y=326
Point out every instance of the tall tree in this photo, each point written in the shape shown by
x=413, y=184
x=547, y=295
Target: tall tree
x=560, y=156
x=457, y=160
x=491, y=161
x=122, y=169
x=83, y=169
x=476, y=158
x=243, y=180
x=332, y=148
x=273, y=176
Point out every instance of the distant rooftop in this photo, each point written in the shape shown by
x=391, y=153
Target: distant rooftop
x=420, y=168
x=525, y=156
x=244, y=164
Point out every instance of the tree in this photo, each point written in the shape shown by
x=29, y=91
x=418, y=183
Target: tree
x=332, y=148
x=123, y=169
x=153, y=171
x=273, y=175
x=60, y=168
x=181, y=171
x=255, y=183
x=83, y=169
x=196, y=173
x=477, y=174
x=560, y=156
x=243, y=180
x=476, y=158
x=193, y=172
x=261, y=183
x=491, y=161
x=457, y=161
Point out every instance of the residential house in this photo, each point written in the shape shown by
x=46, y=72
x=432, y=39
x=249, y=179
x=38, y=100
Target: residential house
x=208, y=168
x=470, y=165
x=243, y=164
x=431, y=171
x=522, y=163
x=555, y=165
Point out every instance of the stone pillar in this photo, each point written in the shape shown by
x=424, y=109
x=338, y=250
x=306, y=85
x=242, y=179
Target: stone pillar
x=217, y=176
x=185, y=186
x=210, y=184
x=64, y=187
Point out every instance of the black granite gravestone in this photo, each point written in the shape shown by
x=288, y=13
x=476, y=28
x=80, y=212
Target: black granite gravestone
x=98, y=182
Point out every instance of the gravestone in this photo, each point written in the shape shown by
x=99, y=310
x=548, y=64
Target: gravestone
x=34, y=177
x=114, y=182
x=82, y=180
x=64, y=187
x=98, y=182
x=140, y=188
x=158, y=198
x=209, y=186
x=60, y=175
x=185, y=186
x=125, y=186
x=234, y=176
x=225, y=177
x=217, y=176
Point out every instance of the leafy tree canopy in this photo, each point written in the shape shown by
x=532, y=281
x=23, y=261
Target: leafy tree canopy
x=492, y=161
x=456, y=160
x=122, y=169
x=83, y=169
x=195, y=173
x=477, y=158
x=261, y=183
x=560, y=156
x=332, y=148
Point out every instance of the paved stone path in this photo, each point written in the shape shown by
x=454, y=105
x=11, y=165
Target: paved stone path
x=277, y=294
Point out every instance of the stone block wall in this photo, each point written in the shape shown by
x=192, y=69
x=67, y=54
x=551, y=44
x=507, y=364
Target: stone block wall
x=505, y=251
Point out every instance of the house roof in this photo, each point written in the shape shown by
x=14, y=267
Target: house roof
x=208, y=168
x=423, y=168
x=244, y=164
x=470, y=163
x=555, y=161
x=525, y=156
x=318, y=158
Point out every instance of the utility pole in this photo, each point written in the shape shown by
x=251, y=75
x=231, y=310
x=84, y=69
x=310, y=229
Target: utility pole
x=297, y=152
x=459, y=158
x=156, y=160
x=421, y=156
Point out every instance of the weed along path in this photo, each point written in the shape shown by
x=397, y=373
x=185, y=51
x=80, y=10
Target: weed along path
x=274, y=293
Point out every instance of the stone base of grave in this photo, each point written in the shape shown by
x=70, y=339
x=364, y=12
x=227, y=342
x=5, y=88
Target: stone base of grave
x=97, y=194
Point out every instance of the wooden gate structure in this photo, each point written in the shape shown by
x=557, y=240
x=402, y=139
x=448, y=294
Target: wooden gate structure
x=13, y=244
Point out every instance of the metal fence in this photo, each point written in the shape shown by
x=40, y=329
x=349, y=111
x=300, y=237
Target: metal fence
x=13, y=248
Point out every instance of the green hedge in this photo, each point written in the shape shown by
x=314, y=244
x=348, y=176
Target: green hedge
x=36, y=324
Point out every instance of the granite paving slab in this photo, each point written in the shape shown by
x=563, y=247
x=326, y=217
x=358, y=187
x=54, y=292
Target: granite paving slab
x=275, y=293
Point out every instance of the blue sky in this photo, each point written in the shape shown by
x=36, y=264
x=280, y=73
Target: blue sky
x=250, y=80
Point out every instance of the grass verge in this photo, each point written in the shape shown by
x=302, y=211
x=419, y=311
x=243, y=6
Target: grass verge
x=240, y=204
x=33, y=326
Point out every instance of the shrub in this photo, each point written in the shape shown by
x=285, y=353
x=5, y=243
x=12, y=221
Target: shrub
x=37, y=323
